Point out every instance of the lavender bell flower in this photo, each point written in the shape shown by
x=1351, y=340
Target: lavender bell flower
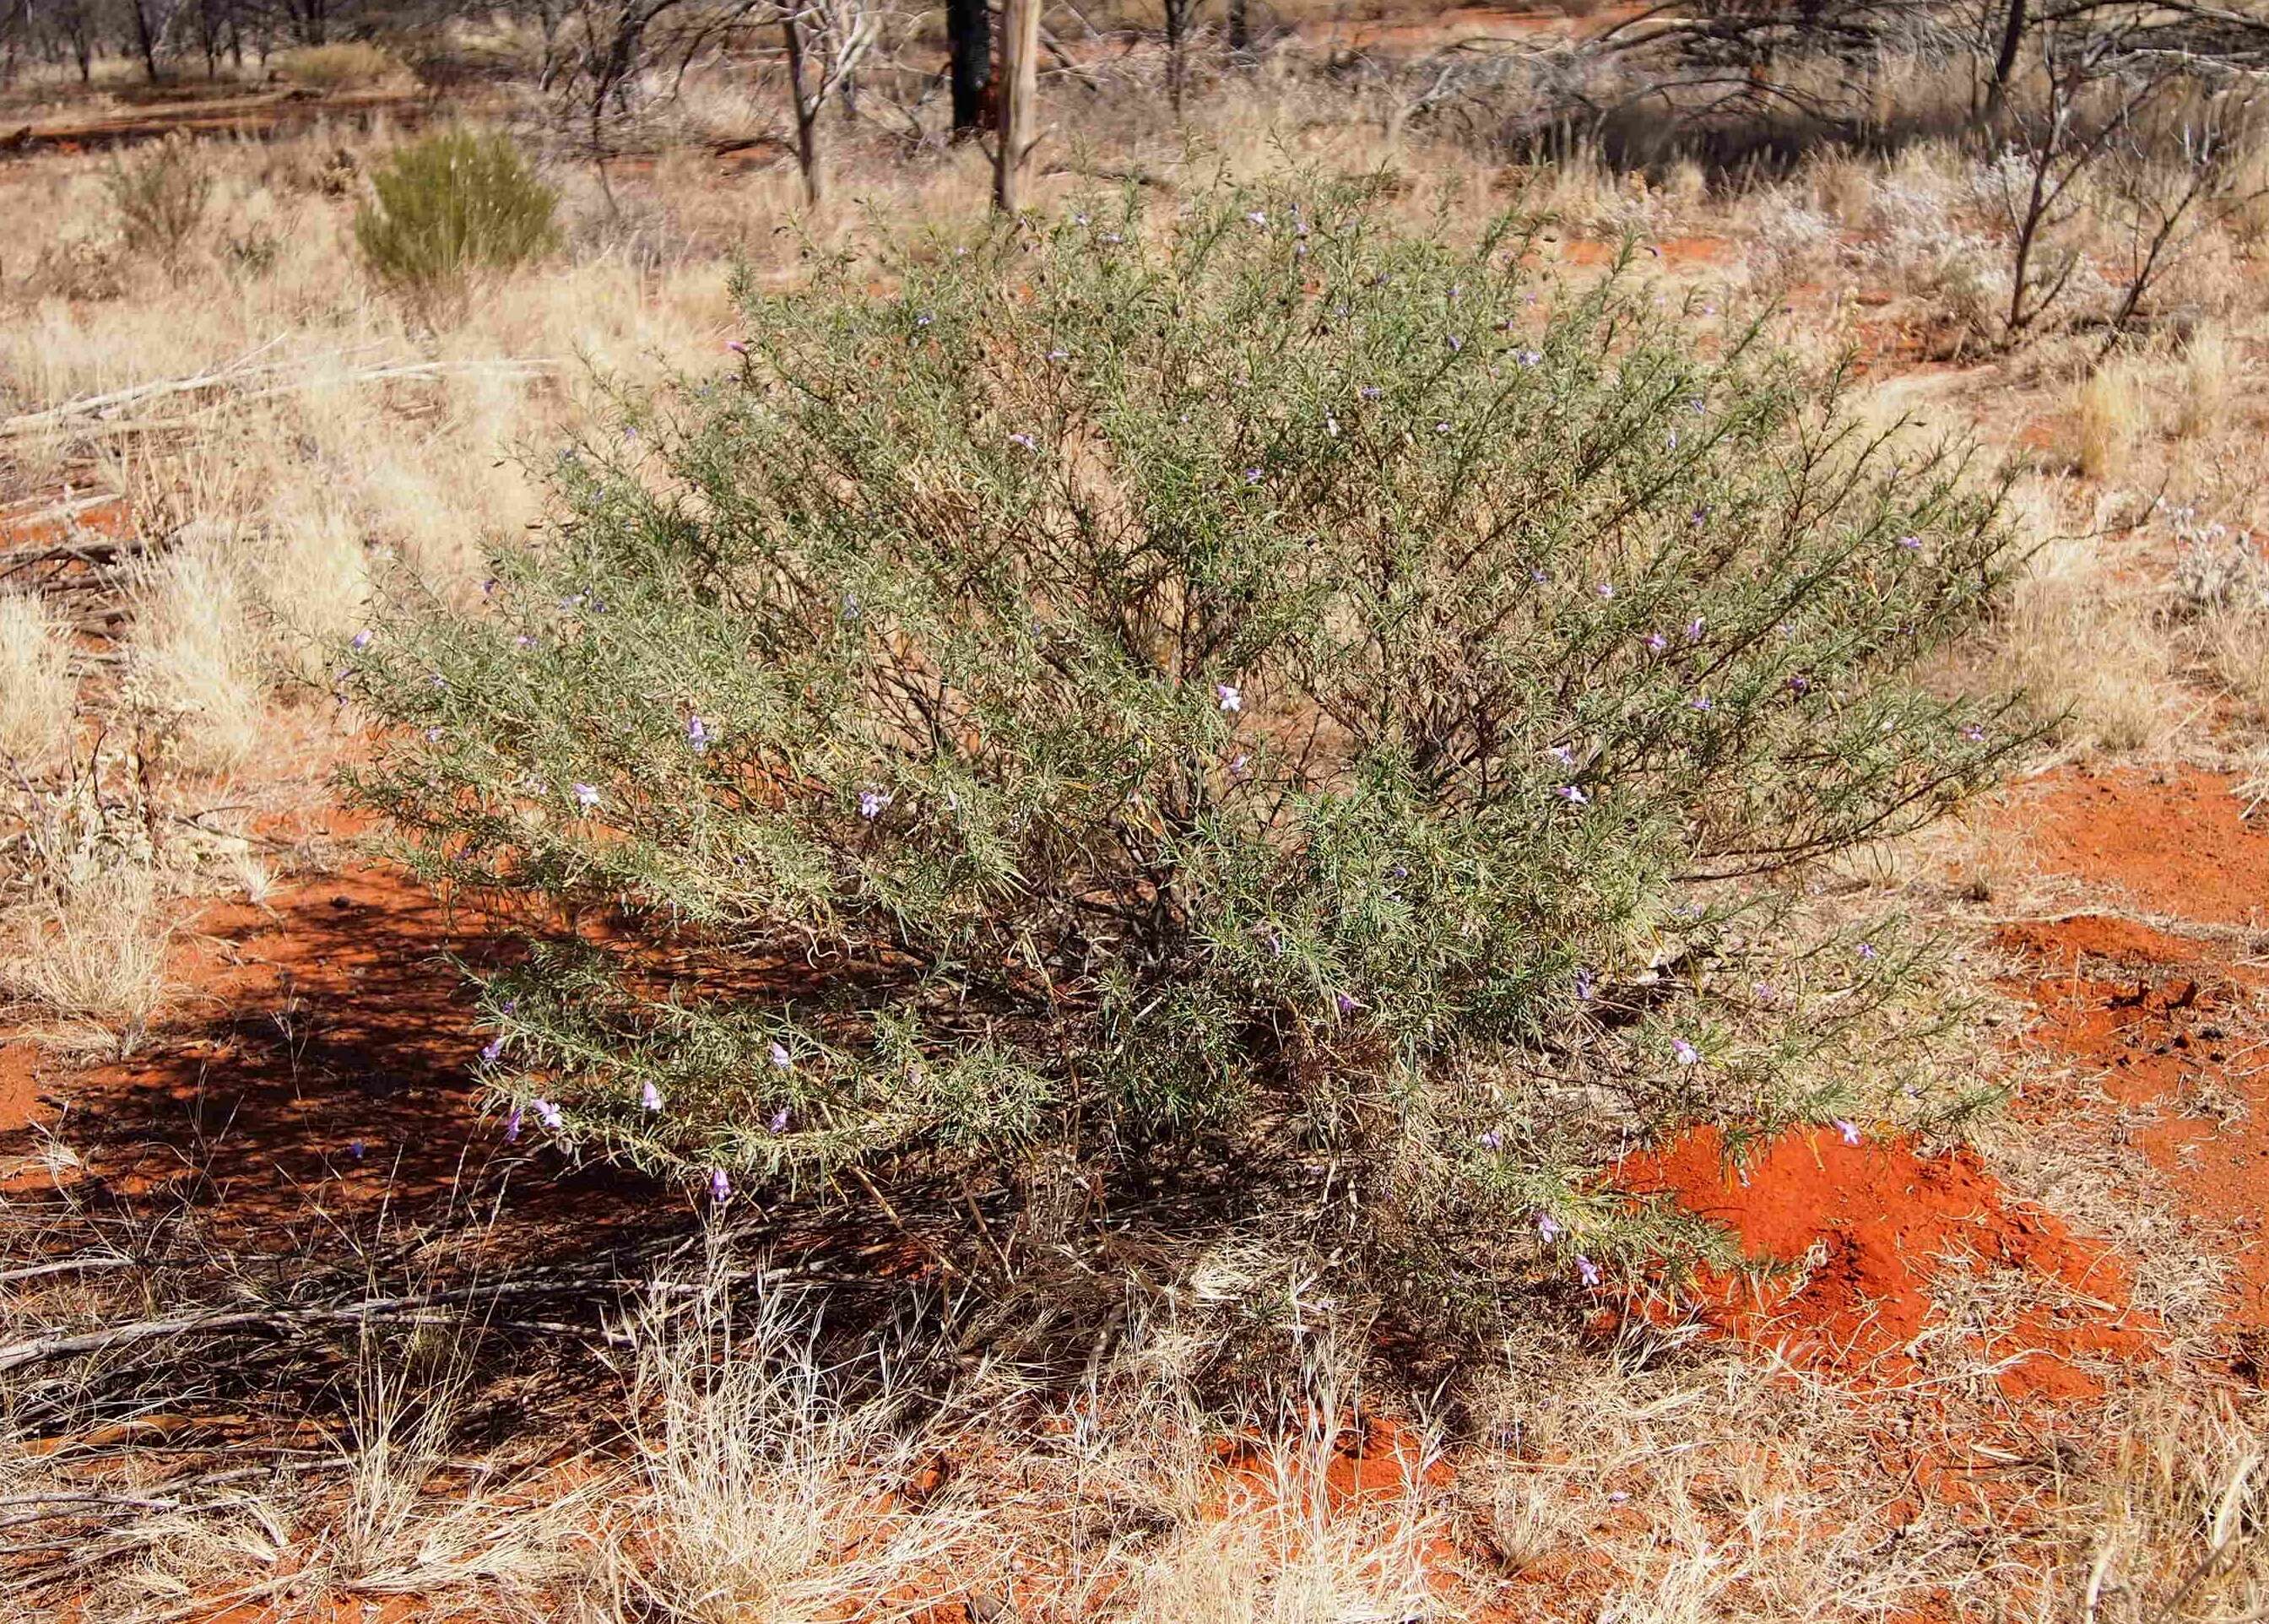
x=1849, y=1130
x=586, y=794
x=1572, y=795
x=1490, y=1139
x=1346, y=1003
x=697, y=732
x=1587, y=1271
x=649, y=1097
x=871, y=803
x=361, y=639
x=492, y=1050
x=779, y=1056
x=546, y=1112
x=1232, y=698
x=1685, y=1053
x=1656, y=642
x=720, y=1188
x=1547, y=1228
x=512, y=1126
x=778, y=1121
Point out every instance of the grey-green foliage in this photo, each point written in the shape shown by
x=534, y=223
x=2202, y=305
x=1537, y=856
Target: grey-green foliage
x=449, y=205
x=1171, y=676
x=161, y=193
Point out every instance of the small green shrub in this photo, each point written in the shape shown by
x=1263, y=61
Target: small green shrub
x=1261, y=691
x=452, y=205
x=161, y=193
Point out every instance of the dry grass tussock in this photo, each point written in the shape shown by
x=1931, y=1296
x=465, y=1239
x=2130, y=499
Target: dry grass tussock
x=38, y=693
x=93, y=953
x=2082, y=637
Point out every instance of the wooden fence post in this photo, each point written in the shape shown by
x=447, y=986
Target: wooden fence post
x=1020, y=49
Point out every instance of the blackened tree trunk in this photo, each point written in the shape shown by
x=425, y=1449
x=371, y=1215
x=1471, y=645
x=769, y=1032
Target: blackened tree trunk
x=969, y=29
x=2004, y=62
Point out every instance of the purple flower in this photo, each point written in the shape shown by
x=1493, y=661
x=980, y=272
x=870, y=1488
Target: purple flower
x=1587, y=1271
x=1539, y=576
x=361, y=639
x=1868, y=950
x=439, y=681
x=1268, y=934
x=355, y=1149
x=1258, y=217
x=1240, y=766
x=492, y=1050
x=720, y=1188
x=697, y=731
x=1685, y=1053
x=1913, y=543
x=1058, y=355
x=649, y=1097
x=1490, y=1139
x=1564, y=753
x=1253, y=476
x=924, y=319
x=1572, y=795
x=1441, y=428
x=1456, y=344
x=778, y=1121
x=1547, y=1228
x=1694, y=629
x=1530, y=358
x=433, y=736
x=1763, y=992
x=871, y=803
x=1656, y=641
x=512, y=1126
x=1026, y=440
x=523, y=641
x=1605, y=589
x=546, y=1112
x=1585, y=983
x=1346, y=1003
x=1113, y=237
x=1849, y=1130
x=1230, y=698
x=586, y=794
x=1700, y=702
x=1974, y=734
x=736, y=346
x=1371, y=391
x=1799, y=684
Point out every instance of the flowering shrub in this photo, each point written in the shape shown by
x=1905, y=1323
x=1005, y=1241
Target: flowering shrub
x=1257, y=679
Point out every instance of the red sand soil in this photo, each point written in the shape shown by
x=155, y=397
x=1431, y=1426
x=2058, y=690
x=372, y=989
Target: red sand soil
x=2176, y=843
x=1861, y=1237
x=2165, y=1027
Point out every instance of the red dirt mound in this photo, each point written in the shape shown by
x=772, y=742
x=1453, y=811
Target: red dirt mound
x=1869, y=1243
x=2172, y=1039
x=2178, y=843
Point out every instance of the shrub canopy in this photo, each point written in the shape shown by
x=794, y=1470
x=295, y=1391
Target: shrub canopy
x=450, y=205
x=1168, y=676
